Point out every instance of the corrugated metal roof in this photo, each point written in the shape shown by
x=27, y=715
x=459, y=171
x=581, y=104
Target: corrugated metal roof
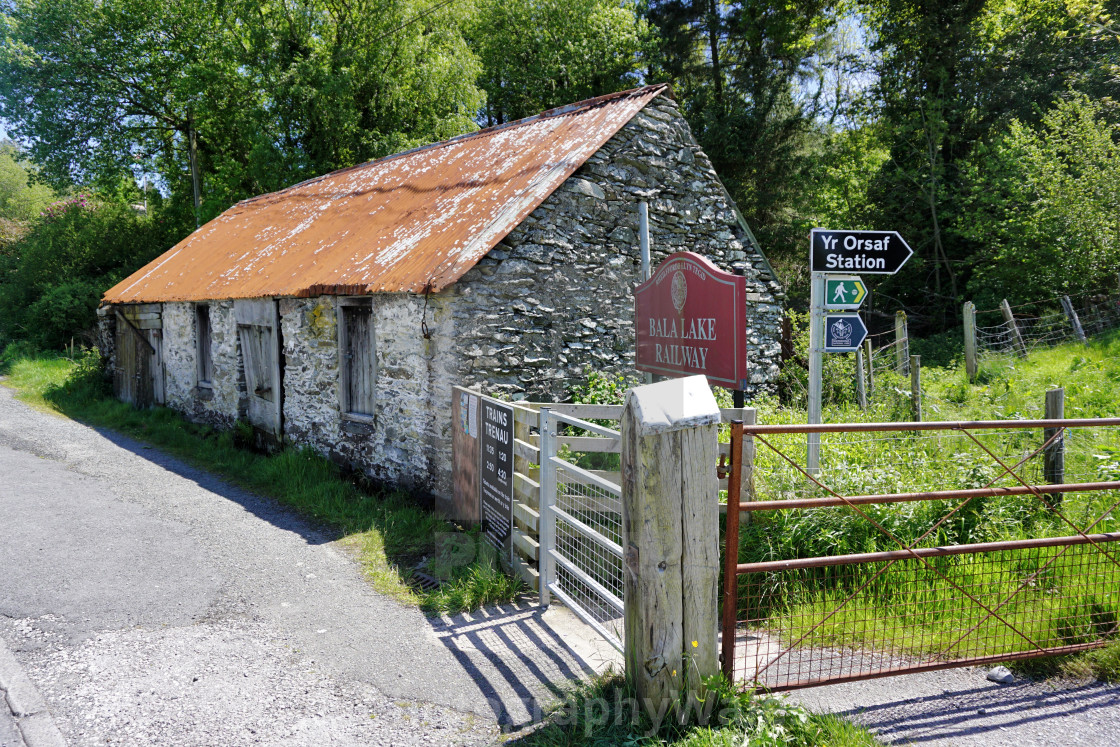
x=402, y=223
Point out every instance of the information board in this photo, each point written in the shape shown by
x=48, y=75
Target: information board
x=496, y=471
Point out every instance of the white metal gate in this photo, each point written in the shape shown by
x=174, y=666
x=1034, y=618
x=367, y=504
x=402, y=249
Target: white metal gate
x=581, y=558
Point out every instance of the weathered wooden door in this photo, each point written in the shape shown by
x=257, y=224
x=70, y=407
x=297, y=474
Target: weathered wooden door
x=138, y=373
x=258, y=326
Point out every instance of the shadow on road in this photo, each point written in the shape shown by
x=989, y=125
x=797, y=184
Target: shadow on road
x=955, y=714
x=516, y=657
x=263, y=507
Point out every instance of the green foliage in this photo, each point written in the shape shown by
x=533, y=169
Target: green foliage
x=838, y=372
x=950, y=75
x=538, y=54
x=603, y=389
x=275, y=91
x=21, y=198
x=470, y=574
x=52, y=278
x=1044, y=203
x=738, y=72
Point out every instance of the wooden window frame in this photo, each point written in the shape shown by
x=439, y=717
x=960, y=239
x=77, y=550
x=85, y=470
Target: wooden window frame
x=202, y=311
x=345, y=406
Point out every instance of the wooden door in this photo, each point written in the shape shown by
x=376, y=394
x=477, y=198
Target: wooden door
x=138, y=373
x=258, y=326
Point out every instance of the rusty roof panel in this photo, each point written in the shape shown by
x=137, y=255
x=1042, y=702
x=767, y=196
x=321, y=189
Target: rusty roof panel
x=402, y=223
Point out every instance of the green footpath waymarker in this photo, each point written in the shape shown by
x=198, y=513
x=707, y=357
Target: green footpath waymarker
x=844, y=292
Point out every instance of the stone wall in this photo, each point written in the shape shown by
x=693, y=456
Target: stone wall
x=405, y=443
x=554, y=300
x=551, y=303
x=224, y=401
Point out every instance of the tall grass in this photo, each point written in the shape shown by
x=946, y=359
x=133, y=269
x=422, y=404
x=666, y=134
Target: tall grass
x=908, y=608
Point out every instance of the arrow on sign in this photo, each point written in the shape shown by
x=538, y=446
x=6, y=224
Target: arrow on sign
x=843, y=333
x=869, y=252
x=844, y=292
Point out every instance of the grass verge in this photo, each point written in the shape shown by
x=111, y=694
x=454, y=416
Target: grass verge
x=387, y=531
x=605, y=713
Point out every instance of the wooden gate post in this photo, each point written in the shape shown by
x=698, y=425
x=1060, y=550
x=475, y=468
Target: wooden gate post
x=970, y=362
x=861, y=383
x=1054, y=455
x=870, y=367
x=670, y=524
x=1074, y=321
x=916, y=387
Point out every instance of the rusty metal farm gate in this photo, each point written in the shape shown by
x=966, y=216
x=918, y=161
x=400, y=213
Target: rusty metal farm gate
x=867, y=567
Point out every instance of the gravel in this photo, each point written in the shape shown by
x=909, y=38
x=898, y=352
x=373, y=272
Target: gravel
x=151, y=603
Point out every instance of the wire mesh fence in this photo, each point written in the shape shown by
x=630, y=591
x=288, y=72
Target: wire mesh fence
x=1036, y=326
x=588, y=532
x=924, y=549
x=583, y=509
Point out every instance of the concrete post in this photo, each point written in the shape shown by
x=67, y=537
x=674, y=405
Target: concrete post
x=971, y=364
x=670, y=519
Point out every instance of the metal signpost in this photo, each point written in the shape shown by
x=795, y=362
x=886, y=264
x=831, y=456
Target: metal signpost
x=833, y=255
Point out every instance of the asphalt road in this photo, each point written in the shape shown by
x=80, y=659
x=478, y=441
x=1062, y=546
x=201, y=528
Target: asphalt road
x=151, y=603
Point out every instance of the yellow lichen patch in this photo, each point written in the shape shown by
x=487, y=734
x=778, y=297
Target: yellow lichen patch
x=320, y=321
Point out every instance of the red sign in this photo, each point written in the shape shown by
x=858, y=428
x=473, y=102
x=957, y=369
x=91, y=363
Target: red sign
x=689, y=319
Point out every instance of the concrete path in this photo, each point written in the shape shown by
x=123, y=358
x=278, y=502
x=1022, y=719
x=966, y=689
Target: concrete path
x=961, y=708
x=150, y=603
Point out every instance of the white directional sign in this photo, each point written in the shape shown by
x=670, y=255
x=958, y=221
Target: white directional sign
x=866, y=252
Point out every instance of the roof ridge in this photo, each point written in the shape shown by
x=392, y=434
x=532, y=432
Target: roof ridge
x=558, y=111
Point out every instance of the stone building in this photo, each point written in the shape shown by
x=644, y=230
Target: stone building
x=340, y=312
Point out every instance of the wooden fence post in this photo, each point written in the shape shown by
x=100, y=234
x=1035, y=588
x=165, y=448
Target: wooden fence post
x=1074, y=321
x=1054, y=456
x=861, y=383
x=916, y=387
x=1016, y=338
x=902, y=342
x=670, y=538
x=870, y=368
x=971, y=366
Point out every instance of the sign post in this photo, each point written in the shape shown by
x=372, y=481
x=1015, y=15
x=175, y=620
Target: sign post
x=833, y=255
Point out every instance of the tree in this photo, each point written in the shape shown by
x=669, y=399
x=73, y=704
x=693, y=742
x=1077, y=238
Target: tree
x=270, y=92
x=1043, y=202
x=52, y=278
x=21, y=198
x=538, y=54
x=950, y=73
x=738, y=69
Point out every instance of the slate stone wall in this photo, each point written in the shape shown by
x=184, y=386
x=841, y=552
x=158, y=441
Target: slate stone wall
x=554, y=300
x=224, y=401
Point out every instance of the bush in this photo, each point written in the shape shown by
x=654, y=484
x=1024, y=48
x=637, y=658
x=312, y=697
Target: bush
x=838, y=371
x=52, y=278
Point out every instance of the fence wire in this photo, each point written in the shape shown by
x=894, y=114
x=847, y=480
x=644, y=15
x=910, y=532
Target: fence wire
x=841, y=622
x=1045, y=580
x=1096, y=313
